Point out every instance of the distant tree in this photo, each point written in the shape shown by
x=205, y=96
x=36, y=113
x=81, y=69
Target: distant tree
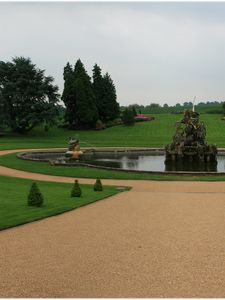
x=78, y=96
x=134, y=111
x=86, y=110
x=111, y=105
x=86, y=102
x=223, y=106
x=178, y=105
x=128, y=117
x=154, y=105
x=98, y=89
x=27, y=97
x=133, y=107
x=105, y=95
x=68, y=95
x=165, y=105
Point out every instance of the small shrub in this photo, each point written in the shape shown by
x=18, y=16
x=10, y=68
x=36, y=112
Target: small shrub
x=128, y=117
x=35, y=197
x=114, y=122
x=98, y=185
x=76, y=190
x=99, y=125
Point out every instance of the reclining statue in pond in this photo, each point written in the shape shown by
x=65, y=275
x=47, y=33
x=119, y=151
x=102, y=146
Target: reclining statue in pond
x=189, y=141
x=73, y=151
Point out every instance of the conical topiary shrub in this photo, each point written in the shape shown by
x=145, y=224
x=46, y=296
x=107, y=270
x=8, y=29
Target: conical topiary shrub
x=35, y=197
x=76, y=190
x=98, y=185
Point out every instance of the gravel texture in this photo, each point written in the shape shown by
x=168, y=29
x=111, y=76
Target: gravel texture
x=160, y=239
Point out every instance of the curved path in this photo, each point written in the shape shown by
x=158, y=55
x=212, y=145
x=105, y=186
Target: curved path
x=161, y=239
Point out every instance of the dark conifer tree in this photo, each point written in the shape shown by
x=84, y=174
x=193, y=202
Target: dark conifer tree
x=110, y=106
x=98, y=89
x=68, y=95
x=78, y=96
x=35, y=198
x=86, y=110
x=105, y=95
x=76, y=190
x=98, y=185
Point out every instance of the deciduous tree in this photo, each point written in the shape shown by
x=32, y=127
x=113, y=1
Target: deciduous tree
x=27, y=96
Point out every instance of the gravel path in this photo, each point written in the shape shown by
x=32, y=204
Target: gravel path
x=161, y=239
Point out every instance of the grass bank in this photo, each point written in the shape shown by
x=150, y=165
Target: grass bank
x=13, y=200
x=156, y=133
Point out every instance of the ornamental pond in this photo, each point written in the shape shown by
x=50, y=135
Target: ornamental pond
x=149, y=160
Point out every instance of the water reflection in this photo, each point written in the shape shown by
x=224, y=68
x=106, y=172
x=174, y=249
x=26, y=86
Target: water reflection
x=141, y=162
x=191, y=167
x=149, y=162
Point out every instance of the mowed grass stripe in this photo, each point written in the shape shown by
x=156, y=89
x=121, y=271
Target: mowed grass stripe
x=155, y=133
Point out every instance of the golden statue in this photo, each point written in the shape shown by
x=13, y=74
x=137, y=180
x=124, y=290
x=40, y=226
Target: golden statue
x=74, y=149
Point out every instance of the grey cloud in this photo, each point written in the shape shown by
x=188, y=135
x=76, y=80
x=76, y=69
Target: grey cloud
x=153, y=51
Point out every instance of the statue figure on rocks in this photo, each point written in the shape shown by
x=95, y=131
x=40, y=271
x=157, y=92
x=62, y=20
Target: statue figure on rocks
x=189, y=141
x=73, y=151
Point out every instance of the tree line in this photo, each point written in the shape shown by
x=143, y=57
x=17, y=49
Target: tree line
x=29, y=98
x=210, y=107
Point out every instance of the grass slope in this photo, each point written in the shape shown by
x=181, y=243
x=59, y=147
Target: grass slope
x=13, y=200
x=147, y=134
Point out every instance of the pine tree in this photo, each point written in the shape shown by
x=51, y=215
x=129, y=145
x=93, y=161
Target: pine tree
x=76, y=190
x=35, y=197
x=86, y=110
x=105, y=95
x=68, y=95
x=110, y=105
x=98, y=185
x=98, y=89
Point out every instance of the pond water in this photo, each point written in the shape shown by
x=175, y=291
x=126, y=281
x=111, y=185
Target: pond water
x=137, y=161
x=155, y=163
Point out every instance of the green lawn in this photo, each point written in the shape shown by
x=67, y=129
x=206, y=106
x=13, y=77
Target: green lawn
x=13, y=197
x=156, y=133
x=13, y=200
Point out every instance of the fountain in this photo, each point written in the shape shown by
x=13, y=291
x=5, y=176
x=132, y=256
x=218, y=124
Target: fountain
x=73, y=151
x=188, y=145
x=188, y=153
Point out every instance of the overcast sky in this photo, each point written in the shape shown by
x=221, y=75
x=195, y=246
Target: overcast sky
x=154, y=52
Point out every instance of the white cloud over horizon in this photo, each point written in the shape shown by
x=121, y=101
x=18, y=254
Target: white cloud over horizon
x=154, y=52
